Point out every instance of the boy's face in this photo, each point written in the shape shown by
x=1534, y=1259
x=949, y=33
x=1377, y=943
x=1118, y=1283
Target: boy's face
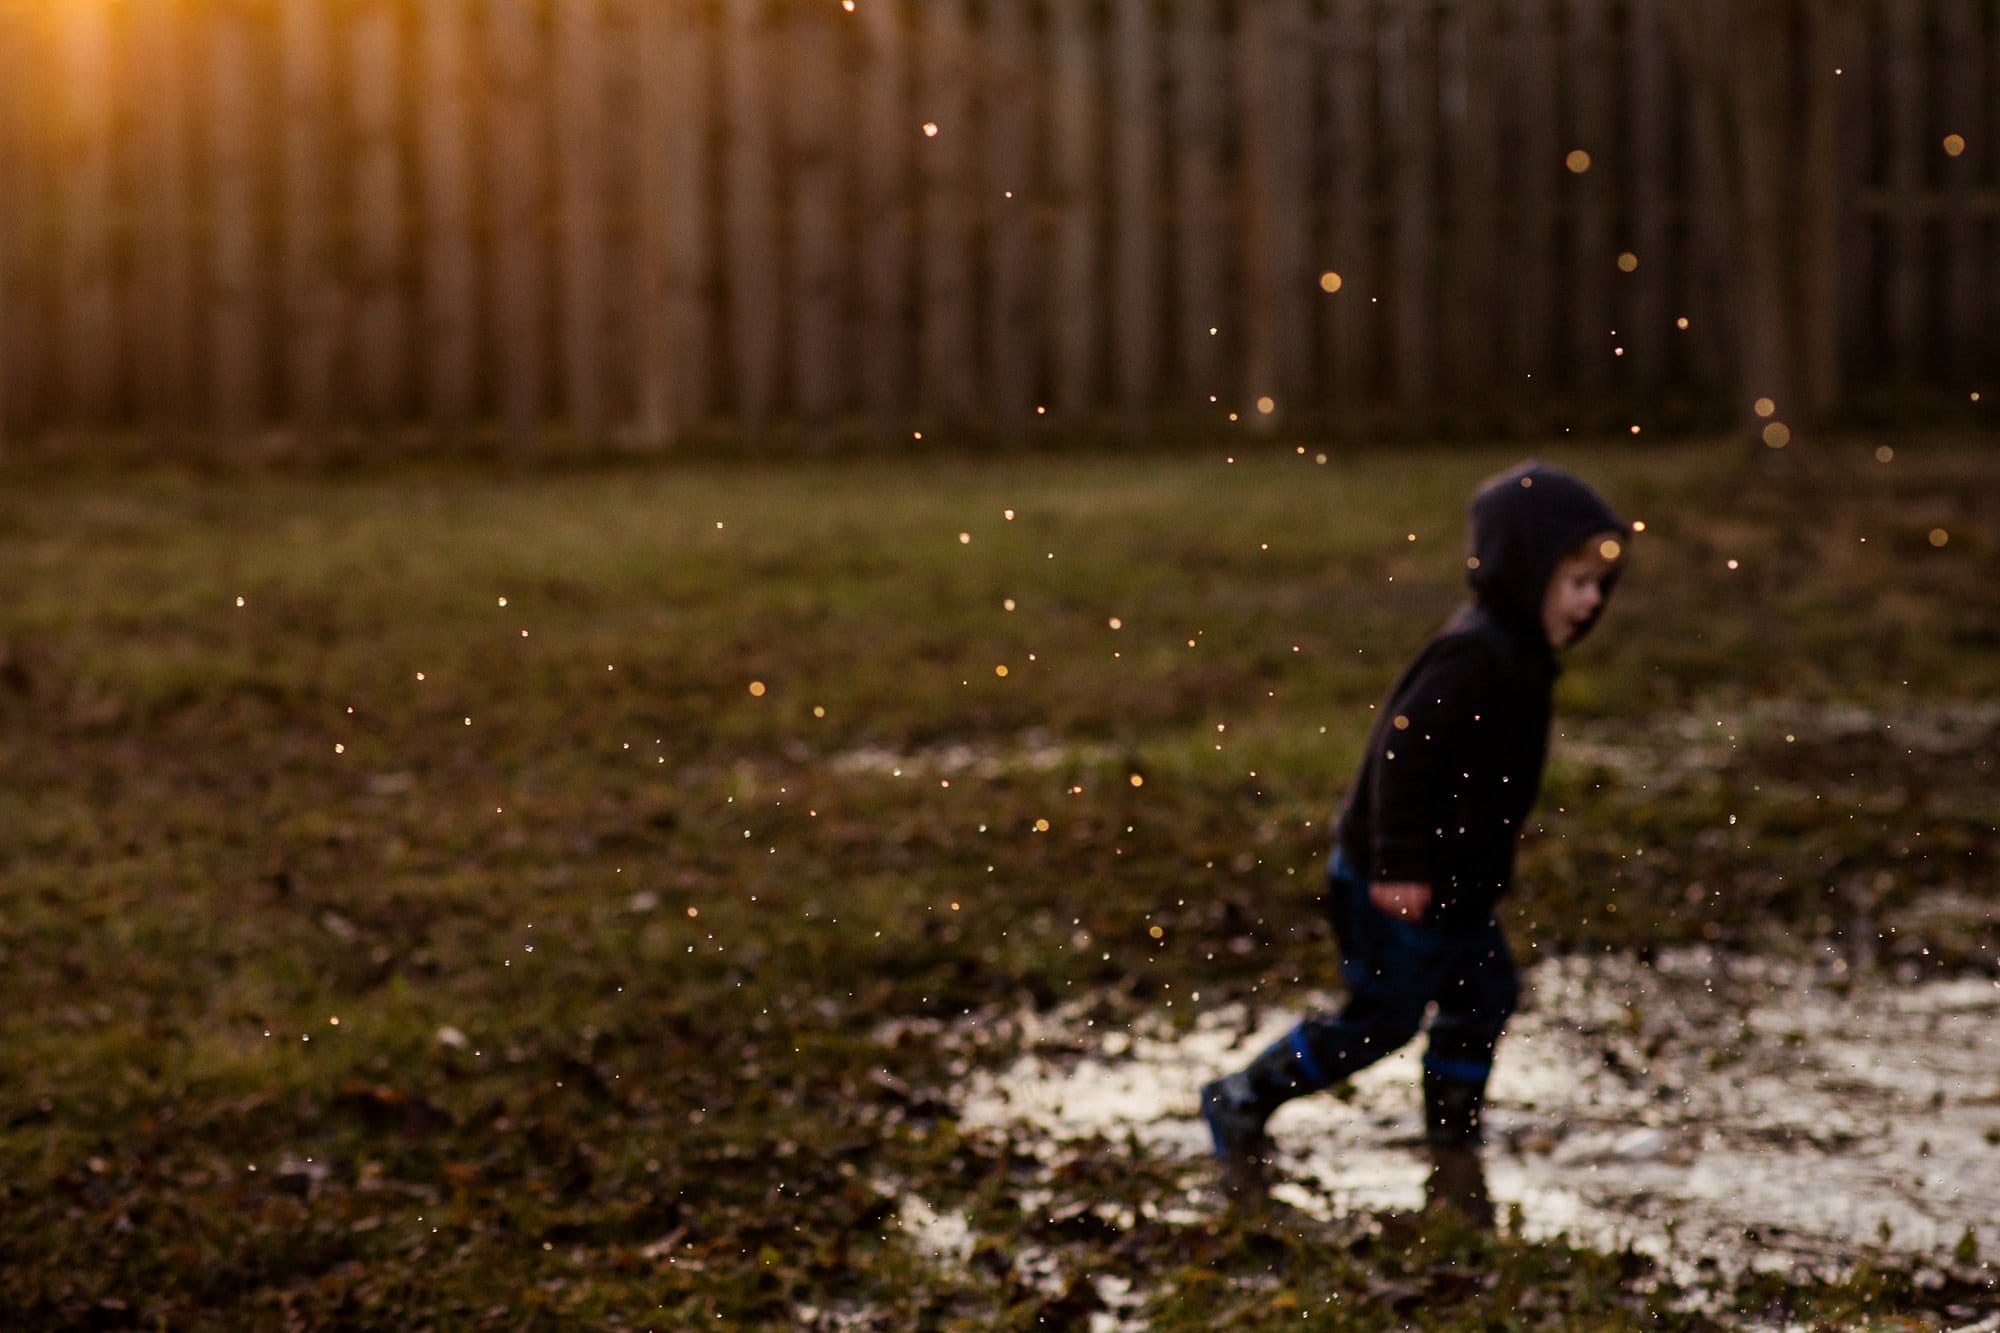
x=1576, y=589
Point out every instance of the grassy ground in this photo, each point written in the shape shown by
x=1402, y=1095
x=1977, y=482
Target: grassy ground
x=506, y=898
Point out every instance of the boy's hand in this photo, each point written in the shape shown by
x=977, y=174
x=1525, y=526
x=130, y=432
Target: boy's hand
x=1405, y=900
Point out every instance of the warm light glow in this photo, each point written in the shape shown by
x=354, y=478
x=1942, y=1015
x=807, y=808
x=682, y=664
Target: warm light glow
x=1954, y=144
x=1267, y=405
x=1763, y=407
x=1777, y=435
x=1578, y=161
x=1939, y=536
x=1628, y=262
x=1610, y=549
x=1329, y=281
x=756, y=689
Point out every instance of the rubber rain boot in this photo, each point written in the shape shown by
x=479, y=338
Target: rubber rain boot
x=1237, y=1107
x=1452, y=1110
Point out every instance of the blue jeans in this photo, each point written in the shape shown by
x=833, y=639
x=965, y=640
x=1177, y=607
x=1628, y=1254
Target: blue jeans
x=1395, y=970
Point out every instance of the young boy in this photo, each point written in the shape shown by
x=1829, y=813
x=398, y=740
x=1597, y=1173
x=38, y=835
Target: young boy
x=1425, y=845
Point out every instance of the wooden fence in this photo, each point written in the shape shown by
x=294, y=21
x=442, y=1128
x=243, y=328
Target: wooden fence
x=643, y=219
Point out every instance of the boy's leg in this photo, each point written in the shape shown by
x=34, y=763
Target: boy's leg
x=1478, y=996
x=1392, y=969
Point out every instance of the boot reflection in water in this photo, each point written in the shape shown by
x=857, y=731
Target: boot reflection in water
x=1457, y=1183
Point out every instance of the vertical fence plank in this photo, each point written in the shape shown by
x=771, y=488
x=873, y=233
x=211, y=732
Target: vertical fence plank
x=751, y=201
x=1907, y=147
x=1710, y=203
x=163, y=256
x=1273, y=75
x=448, y=297
x=375, y=82
x=310, y=304
x=885, y=210
x=89, y=318
x=1468, y=304
x=1764, y=101
x=1860, y=303
x=815, y=109
x=1533, y=70
x=1260, y=193
x=673, y=211
x=1135, y=157
x=1351, y=223
x=1007, y=129
x=1643, y=317
x=1075, y=137
x=1200, y=278
x=1966, y=304
x=945, y=71
x=1990, y=150
x=1815, y=256
x=581, y=109
x=15, y=54
x=1592, y=261
x=515, y=164
x=1409, y=108
x=10, y=172
x=236, y=332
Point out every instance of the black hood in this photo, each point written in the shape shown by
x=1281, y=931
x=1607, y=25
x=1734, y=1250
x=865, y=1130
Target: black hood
x=1523, y=522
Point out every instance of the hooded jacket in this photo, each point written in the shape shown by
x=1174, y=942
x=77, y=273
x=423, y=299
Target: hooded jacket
x=1454, y=761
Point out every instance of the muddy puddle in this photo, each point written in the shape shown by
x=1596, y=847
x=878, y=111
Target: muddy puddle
x=1721, y=1113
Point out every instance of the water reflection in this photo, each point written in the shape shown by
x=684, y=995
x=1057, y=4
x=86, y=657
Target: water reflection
x=1457, y=1184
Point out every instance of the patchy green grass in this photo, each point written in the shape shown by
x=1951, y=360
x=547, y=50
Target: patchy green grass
x=454, y=897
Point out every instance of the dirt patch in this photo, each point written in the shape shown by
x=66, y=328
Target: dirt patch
x=1722, y=1113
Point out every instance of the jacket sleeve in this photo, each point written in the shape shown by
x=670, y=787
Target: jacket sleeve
x=1434, y=718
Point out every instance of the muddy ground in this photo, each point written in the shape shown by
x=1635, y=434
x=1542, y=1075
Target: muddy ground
x=507, y=897
x=1721, y=1113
